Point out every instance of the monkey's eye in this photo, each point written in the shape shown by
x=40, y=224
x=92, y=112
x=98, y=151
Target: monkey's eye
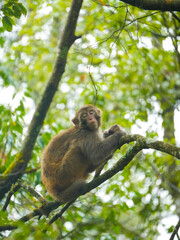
x=91, y=112
x=84, y=115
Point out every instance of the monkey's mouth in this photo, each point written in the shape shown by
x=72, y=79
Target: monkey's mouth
x=93, y=124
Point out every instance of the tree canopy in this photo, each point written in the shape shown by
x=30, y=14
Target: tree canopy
x=122, y=56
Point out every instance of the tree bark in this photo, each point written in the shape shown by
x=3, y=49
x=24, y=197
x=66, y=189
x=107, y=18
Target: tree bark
x=172, y=171
x=16, y=169
x=164, y=5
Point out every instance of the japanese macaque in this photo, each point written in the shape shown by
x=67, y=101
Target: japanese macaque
x=74, y=153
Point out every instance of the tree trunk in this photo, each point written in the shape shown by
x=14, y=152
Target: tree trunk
x=171, y=171
x=16, y=169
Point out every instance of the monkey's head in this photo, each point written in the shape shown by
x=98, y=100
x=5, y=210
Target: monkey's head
x=88, y=117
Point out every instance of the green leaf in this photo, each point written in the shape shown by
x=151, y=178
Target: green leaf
x=17, y=11
x=1, y=29
x=18, y=128
x=7, y=24
x=27, y=94
x=23, y=9
x=8, y=4
x=2, y=41
x=8, y=12
x=40, y=141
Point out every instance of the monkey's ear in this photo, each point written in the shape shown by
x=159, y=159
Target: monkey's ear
x=99, y=112
x=75, y=121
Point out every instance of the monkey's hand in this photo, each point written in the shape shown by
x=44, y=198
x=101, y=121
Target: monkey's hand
x=116, y=128
x=106, y=133
x=111, y=130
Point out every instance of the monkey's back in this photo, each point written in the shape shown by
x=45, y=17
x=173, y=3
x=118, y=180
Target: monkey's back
x=56, y=149
x=55, y=170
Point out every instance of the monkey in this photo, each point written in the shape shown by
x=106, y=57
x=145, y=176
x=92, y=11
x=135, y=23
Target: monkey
x=74, y=153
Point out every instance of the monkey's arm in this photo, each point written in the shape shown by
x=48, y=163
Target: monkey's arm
x=106, y=134
x=103, y=150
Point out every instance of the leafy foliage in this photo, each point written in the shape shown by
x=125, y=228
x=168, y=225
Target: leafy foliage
x=133, y=59
x=11, y=9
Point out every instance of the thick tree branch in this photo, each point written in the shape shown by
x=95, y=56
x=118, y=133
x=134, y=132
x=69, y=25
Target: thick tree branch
x=163, y=5
x=147, y=143
x=15, y=170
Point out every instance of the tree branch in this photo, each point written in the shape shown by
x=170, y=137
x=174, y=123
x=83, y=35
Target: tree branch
x=175, y=232
x=175, y=16
x=163, y=5
x=14, y=189
x=149, y=143
x=16, y=169
x=58, y=215
x=33, y=192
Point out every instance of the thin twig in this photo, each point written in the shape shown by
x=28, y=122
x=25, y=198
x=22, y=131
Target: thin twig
x=120, y=31
x=126, y=25
x=175, y=16
x=31, y=170
x=59, y=215
x=175, y=231
x=14, y=189
x=94, y=86
x=33, y=192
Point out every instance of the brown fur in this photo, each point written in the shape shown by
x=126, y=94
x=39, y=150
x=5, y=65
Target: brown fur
x=74, y=153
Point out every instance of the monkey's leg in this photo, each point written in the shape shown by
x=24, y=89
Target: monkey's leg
x=72, y=192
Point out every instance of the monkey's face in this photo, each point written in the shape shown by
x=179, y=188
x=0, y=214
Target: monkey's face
x=88, y=117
